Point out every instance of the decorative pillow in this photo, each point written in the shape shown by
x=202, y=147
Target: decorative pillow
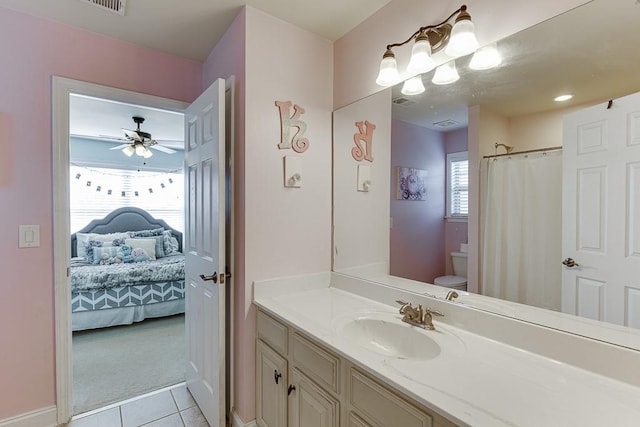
x=84, y=238
x=159, y=245
x=146, y=233
x=106, y=255
x=147, y=245
x=170, y=243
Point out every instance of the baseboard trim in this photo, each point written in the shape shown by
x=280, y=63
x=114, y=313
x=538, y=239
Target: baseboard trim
x=44, y=417
x=236, y=421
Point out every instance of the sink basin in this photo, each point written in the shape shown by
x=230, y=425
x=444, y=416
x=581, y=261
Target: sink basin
x=390, y=338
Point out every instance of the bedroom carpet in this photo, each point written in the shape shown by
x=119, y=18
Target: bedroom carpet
x=117, y=363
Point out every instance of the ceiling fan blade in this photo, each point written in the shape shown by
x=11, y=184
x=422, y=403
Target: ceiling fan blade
x=163, y=149
x=132, y=134
x=119, y=147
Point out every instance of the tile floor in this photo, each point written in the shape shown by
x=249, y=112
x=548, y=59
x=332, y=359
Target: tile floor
x=169, y=407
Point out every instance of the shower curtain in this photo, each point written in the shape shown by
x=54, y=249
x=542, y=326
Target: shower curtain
x=522, y=228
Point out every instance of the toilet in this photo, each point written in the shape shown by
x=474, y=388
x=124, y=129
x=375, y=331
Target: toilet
x=459, y=281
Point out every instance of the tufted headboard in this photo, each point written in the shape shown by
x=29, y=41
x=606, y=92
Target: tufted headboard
x=124, y=219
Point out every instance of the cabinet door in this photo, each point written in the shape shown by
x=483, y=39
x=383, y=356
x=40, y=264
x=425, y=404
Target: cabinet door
x=271, y=390
x=310, y=406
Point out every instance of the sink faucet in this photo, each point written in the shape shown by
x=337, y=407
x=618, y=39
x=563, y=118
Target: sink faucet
x=451, y=295
x=421, y=317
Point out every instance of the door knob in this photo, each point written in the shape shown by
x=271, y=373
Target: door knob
x=570, y=262
x=213, y=277
x=224, y=277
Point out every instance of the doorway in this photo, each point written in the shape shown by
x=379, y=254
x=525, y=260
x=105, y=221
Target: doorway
x=128, y=335
x=62, y=90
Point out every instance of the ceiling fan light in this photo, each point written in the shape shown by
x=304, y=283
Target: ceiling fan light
x=446, y=74
x=463, y=37
x=413, y=86
x=147, y=153
x=421, y=61
x=128, y=150
x=486, y=57
x=388, y=74
x=140, y=149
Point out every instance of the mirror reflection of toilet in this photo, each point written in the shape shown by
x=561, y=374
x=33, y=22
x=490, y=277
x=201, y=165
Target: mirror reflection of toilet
x=459, y=280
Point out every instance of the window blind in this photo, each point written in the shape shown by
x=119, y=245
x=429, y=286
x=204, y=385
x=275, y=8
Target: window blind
x=94, y=192
x=459, y=188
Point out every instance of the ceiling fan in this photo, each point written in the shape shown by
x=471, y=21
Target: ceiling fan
x=140, y=142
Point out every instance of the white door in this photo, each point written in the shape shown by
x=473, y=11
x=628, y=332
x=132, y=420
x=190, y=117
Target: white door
x=601, y=212
x=205, y=252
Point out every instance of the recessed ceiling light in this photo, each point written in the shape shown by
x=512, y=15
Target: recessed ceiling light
x=563, y=98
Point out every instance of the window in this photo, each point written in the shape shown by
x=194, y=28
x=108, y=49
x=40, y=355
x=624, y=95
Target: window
x=94, y=192
x=458, y=185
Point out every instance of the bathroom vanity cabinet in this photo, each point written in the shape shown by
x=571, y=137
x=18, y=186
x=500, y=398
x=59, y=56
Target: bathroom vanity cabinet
x=303, y=384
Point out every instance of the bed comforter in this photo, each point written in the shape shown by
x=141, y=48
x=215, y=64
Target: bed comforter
x=86, y=277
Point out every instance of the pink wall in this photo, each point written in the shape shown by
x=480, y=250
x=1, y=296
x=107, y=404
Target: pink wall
x=361, y=218
x=279, y=231
x=454, y=232
x=33, y=50
x=418, y=235
x=228, y=59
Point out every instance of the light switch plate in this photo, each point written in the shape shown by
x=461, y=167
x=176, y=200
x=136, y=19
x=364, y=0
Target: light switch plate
x=29, y=236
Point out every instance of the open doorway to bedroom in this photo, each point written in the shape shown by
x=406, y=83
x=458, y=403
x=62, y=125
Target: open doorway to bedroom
x=126, y=216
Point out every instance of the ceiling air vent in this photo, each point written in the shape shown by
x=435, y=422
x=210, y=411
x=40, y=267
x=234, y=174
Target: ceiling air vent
x=115, y=6
x=446, y=123
x=403, y=101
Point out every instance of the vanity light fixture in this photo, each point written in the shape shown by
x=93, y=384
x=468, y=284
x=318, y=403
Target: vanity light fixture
x=446, y=74
x=457, y=40
x=563, y=98
x=413, y=86
x=486, y=57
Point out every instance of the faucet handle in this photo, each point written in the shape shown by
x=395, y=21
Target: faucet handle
x=402, y=302
x=433, y=312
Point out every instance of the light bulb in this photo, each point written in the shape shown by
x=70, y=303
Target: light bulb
x=463, y=38
x=421, y=61
x=446, y=74
x=485, y=58
x=388, y=74
x=413, y=86
x=128, y=150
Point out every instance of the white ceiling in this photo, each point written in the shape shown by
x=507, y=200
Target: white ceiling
x=104, y=119
x=192, y=28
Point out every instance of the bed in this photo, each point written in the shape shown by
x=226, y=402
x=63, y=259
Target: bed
x=125, y=268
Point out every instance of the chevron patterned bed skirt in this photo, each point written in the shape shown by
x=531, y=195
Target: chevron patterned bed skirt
x=126, y=296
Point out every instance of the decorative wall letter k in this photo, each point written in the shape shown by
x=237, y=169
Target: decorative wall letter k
x=288, y=121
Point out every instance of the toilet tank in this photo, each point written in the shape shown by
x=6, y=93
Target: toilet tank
x=459, y=260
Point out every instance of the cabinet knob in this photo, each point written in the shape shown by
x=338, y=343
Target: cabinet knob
x=276, y=376
x=290, y=389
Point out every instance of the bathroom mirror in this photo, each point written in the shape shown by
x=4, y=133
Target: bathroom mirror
x=588, y=51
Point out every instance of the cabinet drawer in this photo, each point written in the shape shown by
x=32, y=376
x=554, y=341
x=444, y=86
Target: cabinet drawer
x=383, y=408
x=318, y=364
x=272, y=332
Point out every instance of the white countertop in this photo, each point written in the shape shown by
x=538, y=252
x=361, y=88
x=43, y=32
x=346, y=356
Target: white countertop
x=475, y=381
